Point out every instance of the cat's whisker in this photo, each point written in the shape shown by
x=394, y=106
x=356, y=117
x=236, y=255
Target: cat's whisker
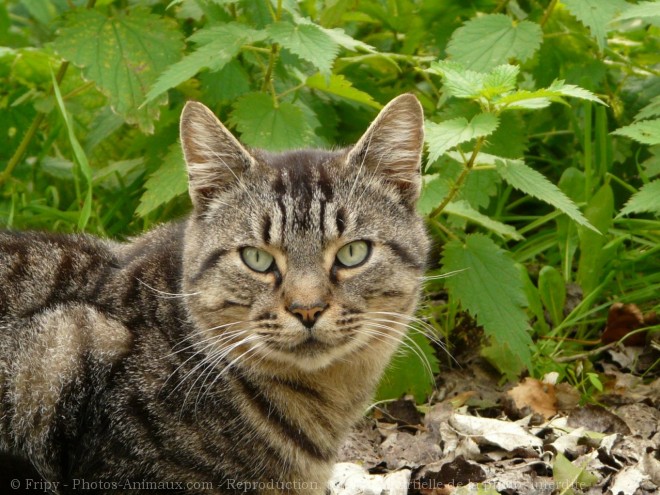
x=163, y=294
x=430, y=332
x=208, y=363
x=251, y=350
x=405, y=335
x=414, y=324
x=195, y=338
x=405, y=342
x=213, y=343
x=442, y=275
x=426, y=329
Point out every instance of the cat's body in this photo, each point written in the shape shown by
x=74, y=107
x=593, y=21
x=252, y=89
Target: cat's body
x=180, y=357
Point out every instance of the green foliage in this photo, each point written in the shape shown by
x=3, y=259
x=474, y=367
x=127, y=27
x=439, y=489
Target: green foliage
x=450, y=133
x=411, y=370
x=122, y=54
x=491, y=40
x=533, y=183
x=542, y=136
x=596, y=14
x=567, y=475
x=486, y=282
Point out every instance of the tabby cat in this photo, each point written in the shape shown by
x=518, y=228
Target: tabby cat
x=226, y=353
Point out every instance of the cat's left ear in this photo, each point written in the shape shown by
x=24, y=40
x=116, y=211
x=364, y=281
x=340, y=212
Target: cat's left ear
x=215, y=158
x=392, y=146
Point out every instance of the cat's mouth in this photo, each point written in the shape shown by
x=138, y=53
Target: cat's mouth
x=310, y=345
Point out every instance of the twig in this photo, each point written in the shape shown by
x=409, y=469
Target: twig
x=459, y=181
x=548, y=12
x=584, y=355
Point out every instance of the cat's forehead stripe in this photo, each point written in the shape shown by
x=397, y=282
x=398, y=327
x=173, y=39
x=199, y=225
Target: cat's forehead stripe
x=302, y=194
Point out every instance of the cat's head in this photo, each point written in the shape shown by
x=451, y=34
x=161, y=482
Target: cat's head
x=304, y=257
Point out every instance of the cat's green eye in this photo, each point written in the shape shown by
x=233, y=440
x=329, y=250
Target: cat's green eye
x=257, y=259
x=353, y=254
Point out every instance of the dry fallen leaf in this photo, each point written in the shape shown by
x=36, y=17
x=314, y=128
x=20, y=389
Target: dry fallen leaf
x=533, y=397
x=351, y=479
x=504, y=434
x=622, y=319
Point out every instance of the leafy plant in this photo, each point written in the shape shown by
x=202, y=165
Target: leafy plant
x=541, y=184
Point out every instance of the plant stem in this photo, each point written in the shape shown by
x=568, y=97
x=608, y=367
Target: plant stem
x=444, y=229
x=467, y=168
x=587, y=150
x=548, y=12
x=272, y=57
x=268, y=77
x=290, y=90
x=500, y=6
x=29, y=135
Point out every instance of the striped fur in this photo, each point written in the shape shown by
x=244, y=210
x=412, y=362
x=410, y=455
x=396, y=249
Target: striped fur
x=166, y=359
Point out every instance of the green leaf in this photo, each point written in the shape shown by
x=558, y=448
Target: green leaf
x=445, y=135
x=434, y=189
x=558, y=86
x=533, y=297
x=227, y=84
x=649, y=11
x=479, y=186
x=595, y=381
x=79, y=154
x=121, y=168
x=122, y=54
x=166, y=183
x=31, y=66
x=567, y=475
x=458, y=81
x=541, y=98
x=338, y=85
x=463, y=209
x=220, y=45
x=599, y=212
x=596, y=14
x=308, y=41
x=263, y=125
x=572, y=183
x=488, y=285
x=553, y=293
x=500, y=80
x=488, y=41
x=464, y=83
x=529, y=181
x=645, y=132
x=408, y=372
x=647, y=199
x=504, y=360
x=652, y=109
x=339, y=36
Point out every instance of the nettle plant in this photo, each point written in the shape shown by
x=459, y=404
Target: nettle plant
x=478, y=274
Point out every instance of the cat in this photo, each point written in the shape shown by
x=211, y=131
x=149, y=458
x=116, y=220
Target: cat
x=231, y=351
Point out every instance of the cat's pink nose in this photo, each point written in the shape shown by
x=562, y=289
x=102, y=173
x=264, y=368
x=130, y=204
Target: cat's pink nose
x=307, y=314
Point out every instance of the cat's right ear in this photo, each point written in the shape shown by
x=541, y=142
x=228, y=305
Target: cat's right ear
x=214, y=157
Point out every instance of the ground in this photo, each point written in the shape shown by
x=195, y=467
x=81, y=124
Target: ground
x=537, y=437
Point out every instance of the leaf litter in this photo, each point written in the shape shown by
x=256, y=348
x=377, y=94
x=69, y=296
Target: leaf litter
x=533, y=438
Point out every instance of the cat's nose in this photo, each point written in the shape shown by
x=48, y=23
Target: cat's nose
x=307, y=314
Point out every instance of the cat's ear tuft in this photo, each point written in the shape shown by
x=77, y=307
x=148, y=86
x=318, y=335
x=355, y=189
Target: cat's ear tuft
x=214, y=157
x=392, y=146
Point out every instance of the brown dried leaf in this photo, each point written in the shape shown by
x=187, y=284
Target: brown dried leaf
x=533, y=397
x=623, y=319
